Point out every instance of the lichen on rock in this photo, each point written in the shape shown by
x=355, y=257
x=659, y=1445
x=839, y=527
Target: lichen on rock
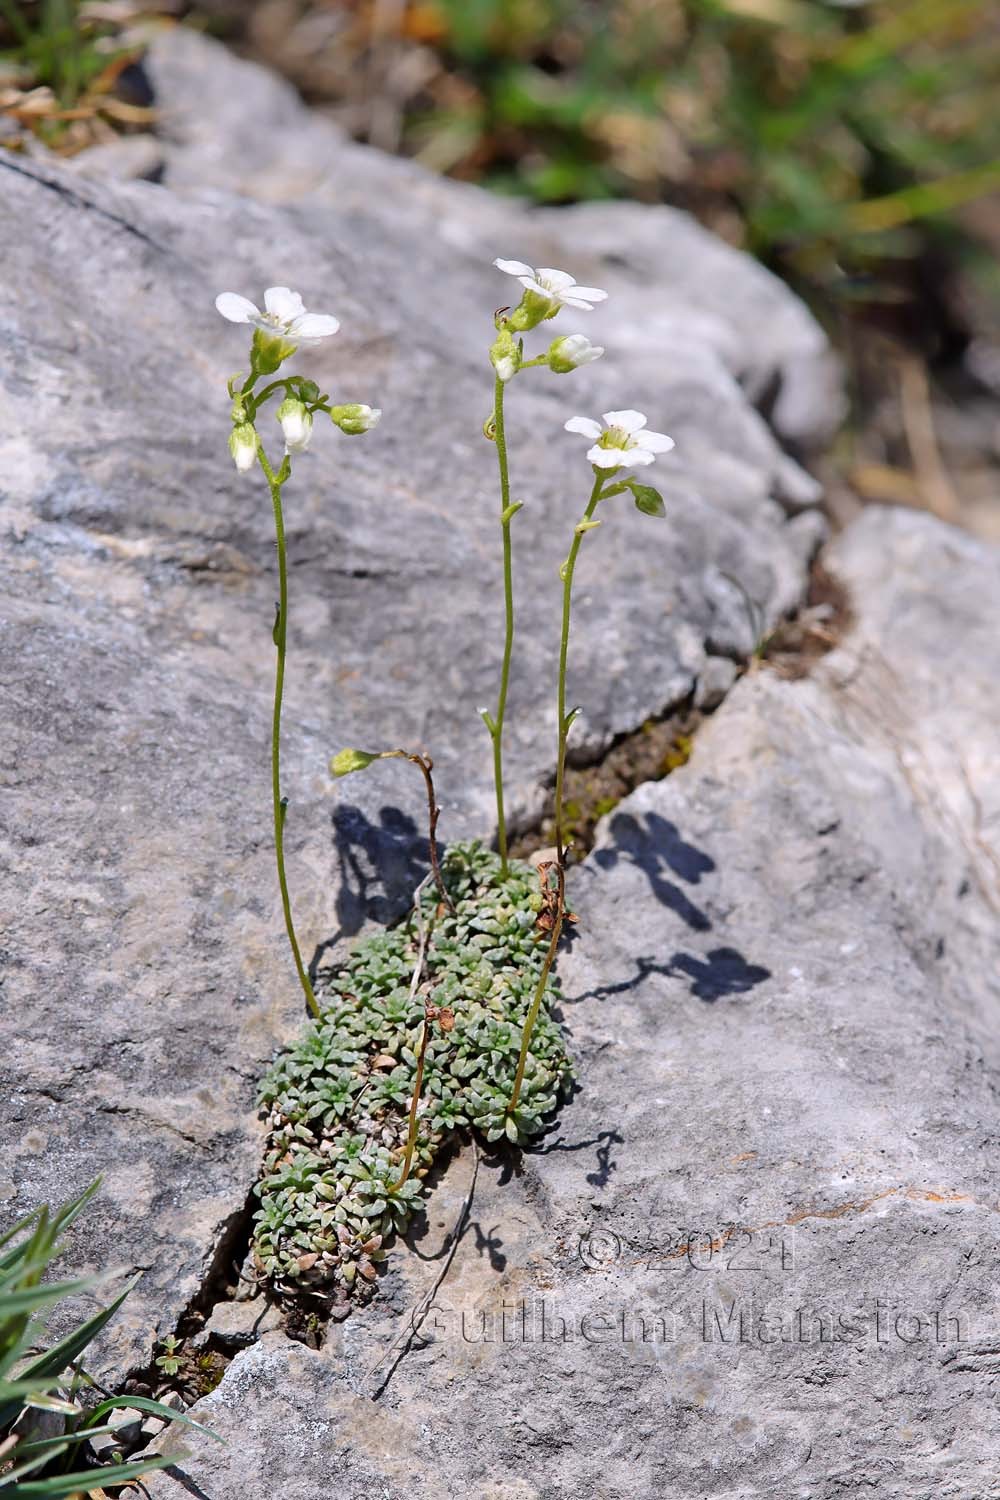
x=337, y=1100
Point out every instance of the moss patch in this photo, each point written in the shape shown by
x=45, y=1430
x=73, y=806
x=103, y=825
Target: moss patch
x=647, y=754
x=337, y=1100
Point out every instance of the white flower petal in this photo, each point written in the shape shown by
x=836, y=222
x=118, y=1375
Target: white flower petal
x=635, y=458
x=587, y=356
x=628, y=421
x=610, y=458
x=313, y=326
x=236, y=308
x=534, y=286
x=654, y=442
x=590, y=293
x=514, y=267
x=585, y=425
x=553, y=280
x=283, y=304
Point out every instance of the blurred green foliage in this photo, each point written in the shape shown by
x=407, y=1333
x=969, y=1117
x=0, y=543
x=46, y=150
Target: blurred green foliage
x=804, y=129
x=829, y=137
x=51, y=46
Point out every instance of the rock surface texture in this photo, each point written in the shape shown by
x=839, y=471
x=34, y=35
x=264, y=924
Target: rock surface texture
x=757, y=1255
x=760, y=1242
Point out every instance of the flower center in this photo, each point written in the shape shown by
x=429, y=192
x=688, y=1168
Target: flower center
x=615, y=437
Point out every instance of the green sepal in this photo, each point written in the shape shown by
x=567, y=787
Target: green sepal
x=530, y=311
x=268, y=351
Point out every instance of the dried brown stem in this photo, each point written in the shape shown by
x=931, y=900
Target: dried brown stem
x=433, y=813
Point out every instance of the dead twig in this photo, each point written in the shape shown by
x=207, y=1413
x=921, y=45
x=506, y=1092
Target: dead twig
x=917, y=414
x=404, y=1342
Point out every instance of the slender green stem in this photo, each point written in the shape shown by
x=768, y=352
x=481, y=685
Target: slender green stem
x=276, y=385
x=275, y=481
x=543, y=979
x=566, y=573
x=430, y=1014
x=507, y=513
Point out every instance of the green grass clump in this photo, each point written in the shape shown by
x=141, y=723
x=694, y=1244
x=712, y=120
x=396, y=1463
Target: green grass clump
x=42, y=1380
x=337, y=1100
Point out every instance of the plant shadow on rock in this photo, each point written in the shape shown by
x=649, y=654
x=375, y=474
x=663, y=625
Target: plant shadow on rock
x=605, y=1163
x=379, y=866
x=657, y=848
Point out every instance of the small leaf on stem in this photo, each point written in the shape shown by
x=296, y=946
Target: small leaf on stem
x=346, y=761
x=648, y=500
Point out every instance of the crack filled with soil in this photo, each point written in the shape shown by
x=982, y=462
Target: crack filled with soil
x=666, y=741
x=201, y=1360
x=651, y=752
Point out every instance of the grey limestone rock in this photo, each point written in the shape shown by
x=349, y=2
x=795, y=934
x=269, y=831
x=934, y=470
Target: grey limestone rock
x=146, y=975
x=757, y=1255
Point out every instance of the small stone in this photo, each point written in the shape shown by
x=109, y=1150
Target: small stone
x=126, y=1424
x=715, y=679
x=235, y=1325
x=105, y=1445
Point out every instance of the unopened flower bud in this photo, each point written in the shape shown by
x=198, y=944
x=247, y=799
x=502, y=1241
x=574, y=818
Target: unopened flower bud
x=572, y=351
x=346, y=761
x=296, y=424
x=243, y=446
x=505, y=355
x=355, y=418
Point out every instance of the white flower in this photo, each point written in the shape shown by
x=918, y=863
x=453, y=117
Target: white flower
x=285, y=316
x=296, y=424
x=558, y=287
x=571, y=352
x=243, y=446
x=355, y=418
x=622, y=443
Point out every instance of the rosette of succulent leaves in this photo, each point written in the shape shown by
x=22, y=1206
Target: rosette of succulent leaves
x=334, y=1190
